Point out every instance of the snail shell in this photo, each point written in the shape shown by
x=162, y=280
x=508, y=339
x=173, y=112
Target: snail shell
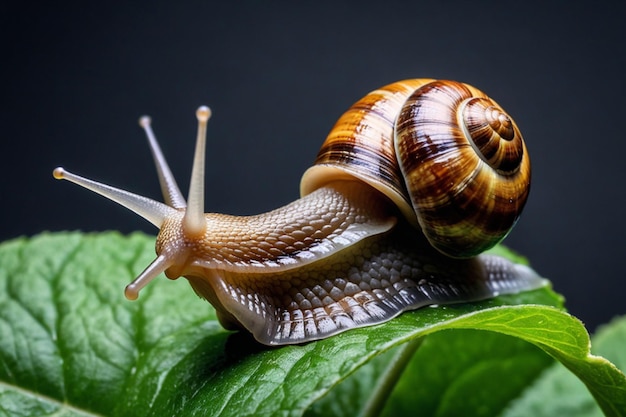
x=446, y=154
x=414, y=180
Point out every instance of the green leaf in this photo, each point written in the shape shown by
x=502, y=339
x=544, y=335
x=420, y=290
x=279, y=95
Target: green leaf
x=72, y=345
x=559, y=392
x=472, y=359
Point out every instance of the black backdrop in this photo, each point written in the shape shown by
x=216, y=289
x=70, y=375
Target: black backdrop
x=77, y=77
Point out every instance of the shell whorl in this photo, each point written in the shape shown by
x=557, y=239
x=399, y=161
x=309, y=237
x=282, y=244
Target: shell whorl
x=445, y=153
x=361, y=145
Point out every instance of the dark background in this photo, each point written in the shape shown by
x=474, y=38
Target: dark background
x=75, y=79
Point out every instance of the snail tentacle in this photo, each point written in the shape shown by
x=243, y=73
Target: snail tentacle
x=171, y=193
x=151, y=210
x=194, y=223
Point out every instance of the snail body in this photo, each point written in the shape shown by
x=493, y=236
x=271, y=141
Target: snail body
x=391, y=219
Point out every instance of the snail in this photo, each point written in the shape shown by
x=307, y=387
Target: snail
x=412, y=184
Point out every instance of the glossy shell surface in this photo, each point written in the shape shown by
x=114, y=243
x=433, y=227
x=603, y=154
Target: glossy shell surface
x=445, y=153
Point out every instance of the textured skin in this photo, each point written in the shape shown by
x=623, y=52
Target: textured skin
x=289, y=237
x=367, y=283
x=326, y=263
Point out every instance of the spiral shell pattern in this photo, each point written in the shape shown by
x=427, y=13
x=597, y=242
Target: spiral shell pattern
x=446, y=154
x=465, y=166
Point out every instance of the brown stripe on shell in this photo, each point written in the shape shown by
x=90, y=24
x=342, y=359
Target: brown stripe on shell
x=360, y=145
x=464, y=206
